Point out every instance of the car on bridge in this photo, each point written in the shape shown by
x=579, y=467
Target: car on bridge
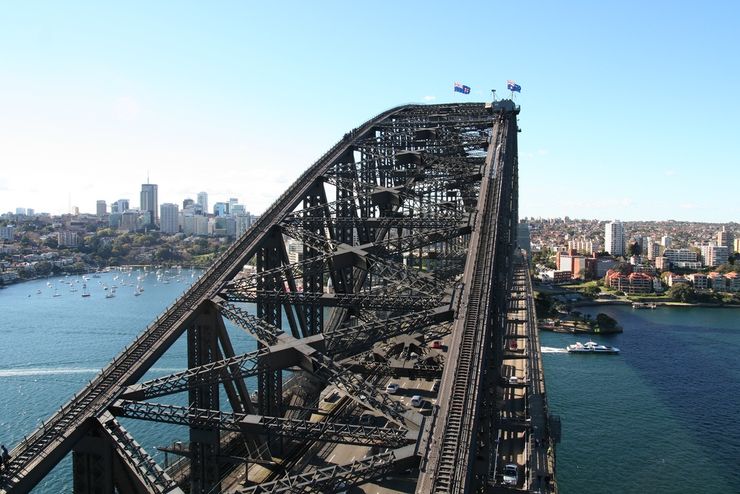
x=392, y=388
x=511, y=474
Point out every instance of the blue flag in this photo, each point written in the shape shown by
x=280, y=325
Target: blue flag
x=461, y=88
x=513, y=86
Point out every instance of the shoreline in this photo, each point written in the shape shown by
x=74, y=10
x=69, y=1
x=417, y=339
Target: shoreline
x=667, y=303
x=106, y=269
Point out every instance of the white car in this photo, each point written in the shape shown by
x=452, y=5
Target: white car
x=416, y=401
x=392, y=388
x=511, y=474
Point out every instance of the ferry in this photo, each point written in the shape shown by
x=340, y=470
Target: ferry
x=591, y=347
x=644, y=305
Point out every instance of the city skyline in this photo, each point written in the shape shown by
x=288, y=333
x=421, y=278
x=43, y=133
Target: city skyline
x=95, y=96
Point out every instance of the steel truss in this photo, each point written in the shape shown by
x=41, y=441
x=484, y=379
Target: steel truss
x=367, y=246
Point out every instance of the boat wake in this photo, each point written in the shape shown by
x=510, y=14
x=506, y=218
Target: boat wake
x=54, y=371
x=39, y=371
x=549, y=349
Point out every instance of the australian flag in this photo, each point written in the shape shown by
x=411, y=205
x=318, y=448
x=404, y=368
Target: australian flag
x=460, y=88
x=513, y=86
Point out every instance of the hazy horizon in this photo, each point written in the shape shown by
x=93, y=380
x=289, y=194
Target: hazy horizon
x=237, y=99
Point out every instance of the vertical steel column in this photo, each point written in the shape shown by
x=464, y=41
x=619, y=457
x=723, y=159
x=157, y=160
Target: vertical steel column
x=92, y=464
x=205, y=444
x=313, y=276
x=270, y=381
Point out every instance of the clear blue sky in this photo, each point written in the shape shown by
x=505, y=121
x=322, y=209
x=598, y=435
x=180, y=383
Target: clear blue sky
x=629, y=109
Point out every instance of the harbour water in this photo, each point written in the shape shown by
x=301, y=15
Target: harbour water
x=53, y=345
x=660, y=417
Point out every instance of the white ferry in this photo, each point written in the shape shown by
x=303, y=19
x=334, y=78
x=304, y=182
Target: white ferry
x=644, y=305
x=591, y=347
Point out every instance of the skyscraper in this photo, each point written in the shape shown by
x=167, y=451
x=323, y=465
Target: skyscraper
x=725, y=238
x=120, y=206
x=614, y=238
x=169, y=218
x=149, y=202
x=101, y=208
x=203, y=201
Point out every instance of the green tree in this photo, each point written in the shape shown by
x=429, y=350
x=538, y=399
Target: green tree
x=591, y=290
x=605, y=321
x=682, y=292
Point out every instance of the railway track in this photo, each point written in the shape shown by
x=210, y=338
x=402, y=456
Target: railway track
x=456, y=441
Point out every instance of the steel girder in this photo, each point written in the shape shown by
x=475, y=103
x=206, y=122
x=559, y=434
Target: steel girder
x=139, y=462
x=336, y=478
x=241, y=366
x=323, y=430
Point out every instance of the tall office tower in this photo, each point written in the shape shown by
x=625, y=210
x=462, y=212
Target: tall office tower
x=614, y=238
x=237, y=209
x=221, y=209
x=30, y=211
x=101, y=208
x=203, y=201
x=725, y=238
x=232, y=201
x=149, y=202
x=20, y=211
x=187, y=203
x=122, y=206
x=666, y=241
x=169, y=216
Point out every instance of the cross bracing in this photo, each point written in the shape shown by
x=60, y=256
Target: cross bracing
x=344, y=281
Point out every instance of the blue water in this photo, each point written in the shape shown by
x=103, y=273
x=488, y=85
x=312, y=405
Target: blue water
x=52, y=346
x=660, y=417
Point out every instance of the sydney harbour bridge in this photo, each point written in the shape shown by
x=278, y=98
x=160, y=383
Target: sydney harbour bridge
x=396, y=351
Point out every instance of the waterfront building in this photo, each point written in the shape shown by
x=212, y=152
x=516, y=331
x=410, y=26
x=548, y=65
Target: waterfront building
x=67, y=239
x=149, y=202
x=714, y=255
x=614, y=238
x=7, y=233
x=681, y=258
x=101, y=208
x=717, y=281
x=603, y=265
x=699, y=280
x=733, y=281
x=169, y=218
x=556, y=277
x=640, y=283
x=675, y=279
x=203, y=201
